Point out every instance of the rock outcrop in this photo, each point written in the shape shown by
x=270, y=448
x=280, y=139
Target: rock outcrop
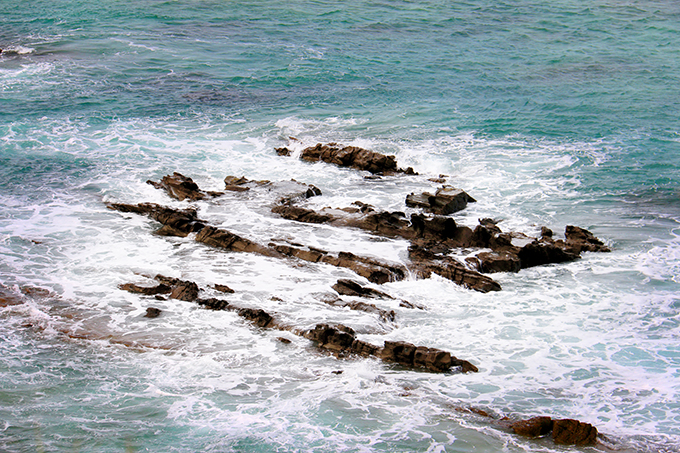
x=445, y=200
x=339, y=339
x=349, y=156
x=342, y=339
x=563, y=431
x=181, y=188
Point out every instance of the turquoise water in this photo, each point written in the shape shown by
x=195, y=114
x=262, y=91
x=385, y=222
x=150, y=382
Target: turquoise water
x=548, y=114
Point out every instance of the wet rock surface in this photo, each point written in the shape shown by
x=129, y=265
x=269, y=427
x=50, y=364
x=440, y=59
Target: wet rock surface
x=562, y=431
x=339, y=339
x=181, y=187
x=444, y=201
x=349, y=156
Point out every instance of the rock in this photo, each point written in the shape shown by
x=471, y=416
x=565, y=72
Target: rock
x=338, y=338
x=234, y=184
x=432, y=359
x=458, y=273
x=365, y=349
x=385, y=315
x=348, y=287
x=546, y=232
x=214, y=304
x=533, y=427
x=146, y=290
x=300, y=214
x=8, y=297
x=350, y=156
x=446, y=200
x=438, y=227
x=224, y=289
x=284, y=340
x=581, y=240
x=224, y=239
x=179, y=187
x=537, y=253
x=184, y=290
x=152, y=312
x=490, y=262
x=180, y=222
x=332, y=299
x=573, y=432
x=373, y=270
x=283, y=151
x=400, y=352
x=258, y=316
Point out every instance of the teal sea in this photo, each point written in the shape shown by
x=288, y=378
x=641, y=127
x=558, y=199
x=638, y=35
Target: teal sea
x=548, y=113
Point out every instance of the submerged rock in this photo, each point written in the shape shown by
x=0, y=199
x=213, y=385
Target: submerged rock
x=152, y=312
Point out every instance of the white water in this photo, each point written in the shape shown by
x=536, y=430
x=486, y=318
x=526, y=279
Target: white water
x=594, y=340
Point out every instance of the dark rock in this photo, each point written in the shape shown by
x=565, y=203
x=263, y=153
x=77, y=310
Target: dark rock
x=284, y=340
x=224, y=239
x=224, y=289
x=300, y=214
x=258, y=316
x=283, y=151
x=464, y=365
x=573, y=432
x=446, y=200
x=385, y=315
x=546, y=232
x=350, y=156
x=180, y=222
x=458, y=273
x=305, y=254
x=167, y=230
x=581, y=240
x=179, y=187
x=214, y=304
x=348, y=287
x=490, y=262
x=338, y=338
x=184, y=290
x=491, y=225
x=432, y=359
x=400, y=352
x=533, y=427
x=438, y=227
x=365, y=349
x=146, y=290
x=373, y=270
x=411, y=305
x=538, y=253
x=152, y=312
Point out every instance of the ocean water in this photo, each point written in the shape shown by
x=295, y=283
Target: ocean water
x=548, y=113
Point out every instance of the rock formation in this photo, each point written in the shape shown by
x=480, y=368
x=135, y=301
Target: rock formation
x=445, y=200
x=349, y=156
x=563, y=431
